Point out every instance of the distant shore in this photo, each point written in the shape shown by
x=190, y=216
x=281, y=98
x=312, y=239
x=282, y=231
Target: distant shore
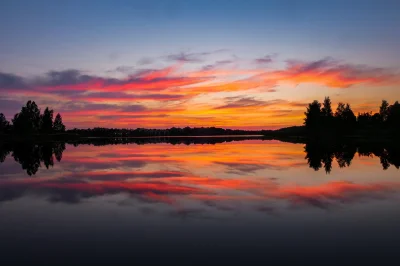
x=292, y=135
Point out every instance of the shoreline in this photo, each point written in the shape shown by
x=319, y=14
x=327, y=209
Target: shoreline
x=72, y=138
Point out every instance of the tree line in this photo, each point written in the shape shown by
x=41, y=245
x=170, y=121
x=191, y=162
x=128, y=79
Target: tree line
x=321, y=118
x=145, y=132
x=31, y=121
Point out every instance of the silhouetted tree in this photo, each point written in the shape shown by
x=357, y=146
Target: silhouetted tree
x=349, y=116
x=340, y=109
x=313, y=155
x=393, y=116
x=4, y=151
x=28, y=155
x=327, y=159
x=376, y=117
x=345, y=154
x=326, y=114
x=4, y=124
x=345, y=118
x=369, y=121
x=58, y=149
x=47, y=121
x=313, y=115
x=46, y=155
x=364, y=119
x=31, y=155
x=327, y=108
x=322, y=121
x=384, y=158
x=319, y=154
x=28, y=120
x=58, y=125
x=384, y=110
x=339, y=116
x=394, y=155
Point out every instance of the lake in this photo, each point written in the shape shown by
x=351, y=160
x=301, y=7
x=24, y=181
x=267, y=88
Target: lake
x=245, y=202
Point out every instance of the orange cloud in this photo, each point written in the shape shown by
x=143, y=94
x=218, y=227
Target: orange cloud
x=331, y=73
x=186, y=97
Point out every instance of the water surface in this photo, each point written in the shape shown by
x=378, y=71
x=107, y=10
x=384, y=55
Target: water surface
x=232, y=203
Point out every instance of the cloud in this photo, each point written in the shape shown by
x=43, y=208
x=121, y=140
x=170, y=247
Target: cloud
x=218, y=64
x=222, y=50
x=168, y=184
x=122, y=69
x=298, y=104
x=326, y=71
x=240, y=168
x=145, y=61
x=103, y=164
x=75, y=109
x=74, y=191
x=124, y=97
x=76, y=106
x=128, y=155
x=129, y=117
x=264, y=60
x=181, y=93
x=65, y=77
x=313, y=65
x=279, y=113
x=10, y=105
x=11, y=81
x=337, y=192
x=237, y=102
x=184, y=57
x=134, y=108
x=331, y=73
x=192, y=57
x=141, y=80
x=121, y=175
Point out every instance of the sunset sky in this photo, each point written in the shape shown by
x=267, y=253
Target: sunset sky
x=232, y=64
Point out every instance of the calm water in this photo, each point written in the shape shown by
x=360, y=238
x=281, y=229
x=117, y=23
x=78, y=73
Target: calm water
x=237, y=203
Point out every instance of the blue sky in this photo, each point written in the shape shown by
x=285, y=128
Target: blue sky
x=42, y=35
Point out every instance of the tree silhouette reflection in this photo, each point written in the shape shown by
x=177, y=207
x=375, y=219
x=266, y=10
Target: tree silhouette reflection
x=32, y=155
x=322, y=154
x=4, y=151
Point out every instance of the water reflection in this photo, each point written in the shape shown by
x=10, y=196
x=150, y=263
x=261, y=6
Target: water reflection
x=322, y=154
x=243, y=197
x=214, y=175
x=31, y=155
x=318, y=154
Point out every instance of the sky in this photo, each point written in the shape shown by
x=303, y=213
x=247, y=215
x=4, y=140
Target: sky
x=232, y=64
